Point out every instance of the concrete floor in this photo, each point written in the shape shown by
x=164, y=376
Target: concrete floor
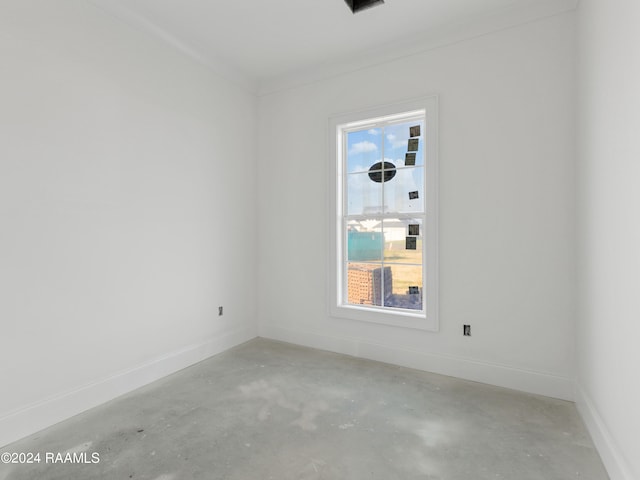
x=267, y=410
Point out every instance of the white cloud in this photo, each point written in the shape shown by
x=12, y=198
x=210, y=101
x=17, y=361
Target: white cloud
x=395, y=141
x=373, y=131
x=362, y=147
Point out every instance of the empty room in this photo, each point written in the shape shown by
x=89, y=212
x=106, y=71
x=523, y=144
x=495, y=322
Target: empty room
x=319, y=239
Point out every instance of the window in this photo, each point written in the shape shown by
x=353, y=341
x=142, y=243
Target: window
x=383, y=225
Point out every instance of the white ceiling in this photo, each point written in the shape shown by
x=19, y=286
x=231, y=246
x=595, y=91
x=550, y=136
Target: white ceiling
x=265, y=39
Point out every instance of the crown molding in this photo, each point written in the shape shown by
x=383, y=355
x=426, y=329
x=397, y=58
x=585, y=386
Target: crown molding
x=414, y=45
x=214, y=64
x=448, y=34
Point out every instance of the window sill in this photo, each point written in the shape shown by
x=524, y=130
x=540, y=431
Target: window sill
x=400, y=318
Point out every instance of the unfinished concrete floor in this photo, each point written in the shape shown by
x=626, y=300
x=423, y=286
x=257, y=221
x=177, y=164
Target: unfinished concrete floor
x=268, y=410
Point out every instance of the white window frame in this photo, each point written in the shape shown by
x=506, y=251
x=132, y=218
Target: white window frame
x=427, y=319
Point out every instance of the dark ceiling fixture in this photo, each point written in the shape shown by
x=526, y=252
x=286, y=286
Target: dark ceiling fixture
x=358, y=5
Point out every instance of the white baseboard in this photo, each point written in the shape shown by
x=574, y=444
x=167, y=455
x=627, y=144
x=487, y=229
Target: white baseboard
x=32, y=418
x=615, y=463
x=529, y=381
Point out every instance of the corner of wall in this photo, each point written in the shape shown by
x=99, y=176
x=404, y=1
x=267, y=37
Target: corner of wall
x=616, y=465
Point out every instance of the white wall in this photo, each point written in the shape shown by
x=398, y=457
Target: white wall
x=507, y=208
x=609, y=230
x=127, y=211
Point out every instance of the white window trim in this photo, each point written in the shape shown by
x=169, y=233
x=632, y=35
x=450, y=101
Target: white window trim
x=427, y=319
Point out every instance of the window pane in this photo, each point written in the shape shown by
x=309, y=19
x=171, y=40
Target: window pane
x=397, y=249
x=406, y=287
x=364, y=240
x=396, y=143
x=405, y=192
x=364, y=196
x=365, y=283
x=364, y=148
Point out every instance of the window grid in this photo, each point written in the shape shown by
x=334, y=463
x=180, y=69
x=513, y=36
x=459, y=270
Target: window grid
x=384, y=216
x=346, y=214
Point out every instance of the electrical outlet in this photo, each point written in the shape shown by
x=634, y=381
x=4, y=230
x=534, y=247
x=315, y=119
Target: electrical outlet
x=466, y=330
x=219, y=311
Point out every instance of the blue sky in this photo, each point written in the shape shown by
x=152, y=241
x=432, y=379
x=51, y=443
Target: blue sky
x=366, y=147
